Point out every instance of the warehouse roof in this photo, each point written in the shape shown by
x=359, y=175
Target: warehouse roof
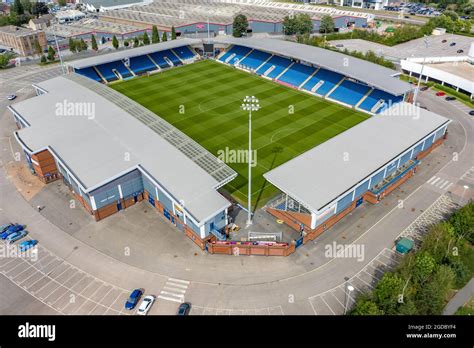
x=373, y=74
x=322, y=175
x=129, y=53
x=107, y=142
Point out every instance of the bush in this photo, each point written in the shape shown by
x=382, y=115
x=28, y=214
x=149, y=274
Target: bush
x=365, y=306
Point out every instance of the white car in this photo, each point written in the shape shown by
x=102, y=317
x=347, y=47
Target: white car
x=11, y=97
x=146, y=304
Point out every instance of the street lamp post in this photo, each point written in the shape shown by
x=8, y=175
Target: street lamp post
x=463, y=193
x=425, y=41
x=250, y=104
x=349, y=288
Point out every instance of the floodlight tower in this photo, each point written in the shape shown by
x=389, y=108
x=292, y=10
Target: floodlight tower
x=250, y=104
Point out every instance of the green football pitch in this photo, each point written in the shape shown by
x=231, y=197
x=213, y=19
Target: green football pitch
x=203, y=100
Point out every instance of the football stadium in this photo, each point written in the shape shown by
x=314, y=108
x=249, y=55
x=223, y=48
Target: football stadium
x=163, y=123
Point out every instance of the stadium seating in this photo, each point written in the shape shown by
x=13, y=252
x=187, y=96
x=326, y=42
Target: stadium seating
x=90, y=73
x=280, y=64
x=255, y=59
x=297, y=74
x=330, y=79
x=184, y=52
x=158, y=57
x=141, y=64
x=171, y=56
x=236, y=52
x=349, y=92
x=106, y=70
x=375, y=96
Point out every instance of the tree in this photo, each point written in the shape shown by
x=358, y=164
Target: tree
x=4, y=60
x=146, y=39
x=38, y=49
x=451, y=14
x=17, y=7
x=136, y=42
x=327, y=24
x=155, y=36
x=51, y=53
x=424, y=266
x=387, y=292
x=115, y=42
x=72, y=45
x=62, y=3
x=240, y=25
x=126, y=44
x=83, y=45
x=289, y=25
x=43, y=59
x=365, y=306
x=430, y=298
x=94, y=43
x=39, y=8
x=27, y=5
x=164, y=37
x=173, y=33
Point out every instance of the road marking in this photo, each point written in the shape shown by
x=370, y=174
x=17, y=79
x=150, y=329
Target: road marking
x=174, y=290
x=327, y=305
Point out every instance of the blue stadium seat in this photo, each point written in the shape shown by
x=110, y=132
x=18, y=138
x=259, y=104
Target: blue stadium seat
x=255, y=59
x=349, y=92
x=280, y=65
x=375, y=96
x=106, y=70
x=141, y=64
x=159, y=58
x=171, y=56
x=90, y=73
x=297, y=74
x=330, y=79
x=184, y=52
x=239, y=52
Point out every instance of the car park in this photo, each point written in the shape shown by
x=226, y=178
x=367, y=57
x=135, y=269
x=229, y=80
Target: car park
x=440, y=94
x=145, y=305
x=10, y=230
x=12, y=238
x=27, y=244
x=184, y=308
x=450, y=98
x=133, y=299
x=11, y=97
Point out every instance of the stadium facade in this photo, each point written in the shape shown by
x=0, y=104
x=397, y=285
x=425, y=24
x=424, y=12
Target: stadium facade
x=122, y=153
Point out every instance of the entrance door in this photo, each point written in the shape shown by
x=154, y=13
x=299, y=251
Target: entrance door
x=119, y=205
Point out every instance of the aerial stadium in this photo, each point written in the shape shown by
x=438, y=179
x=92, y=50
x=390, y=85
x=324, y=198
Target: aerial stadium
x=331, y=133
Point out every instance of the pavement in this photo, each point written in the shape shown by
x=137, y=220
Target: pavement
x=460, y=299
x=99, y=263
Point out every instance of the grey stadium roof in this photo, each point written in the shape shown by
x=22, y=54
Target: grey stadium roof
x=373, y=74
x=94, y=149
x=320, y=176
x=129, y=53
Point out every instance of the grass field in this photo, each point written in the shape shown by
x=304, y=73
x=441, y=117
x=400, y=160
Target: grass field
x=211, y=94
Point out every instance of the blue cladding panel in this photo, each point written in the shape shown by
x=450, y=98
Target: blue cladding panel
x=148, y=186
x=417, y=150
x=344, y=202
x=405, y=158
x=106, y=197
x=428, y=142
x=440, y=133
x=391, y=167
x=193, y=226
x=377, y=178
x=133, y=186
x=165, y=201
x=362, y=188
x=218, y=220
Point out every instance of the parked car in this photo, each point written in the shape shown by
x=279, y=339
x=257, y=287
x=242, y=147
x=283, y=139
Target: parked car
x=27, y=244
x=10, y=230
x=12, y=238
x=440, y=94
x=133, y=299
x=424, y=88
x=11, y=97
x=444, y=41
x=184, y=308
x=471, y=112
x=460, y=51
x=452, y=44
x=3, y=228
x=146, y=304
x=450, y=98
x=339, y=45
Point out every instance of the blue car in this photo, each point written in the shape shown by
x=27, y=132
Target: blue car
x=5, y=227
x=133, y=299
x=16, y=236
x=27, y=244
x=10, y=230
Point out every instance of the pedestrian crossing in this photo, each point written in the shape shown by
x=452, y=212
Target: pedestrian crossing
x=174, y=290
x=469, y=175
x=440, y=183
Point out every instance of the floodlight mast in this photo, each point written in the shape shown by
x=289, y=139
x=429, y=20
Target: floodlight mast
x=250, y=103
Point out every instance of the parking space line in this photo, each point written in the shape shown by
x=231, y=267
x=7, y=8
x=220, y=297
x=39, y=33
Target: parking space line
x=327, y=305
x=19, y=274
x=371, y=286
x=336, y=299
x=99, y=301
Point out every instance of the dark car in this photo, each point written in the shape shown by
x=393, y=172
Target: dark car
x=471, y=112
x=5, y=227
x=10, y=230
x=133, y=299
x=424, y=88
x=450, y=98
x=184, y=308
x=452, y=44
x=460, y=51
x=444, y=41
